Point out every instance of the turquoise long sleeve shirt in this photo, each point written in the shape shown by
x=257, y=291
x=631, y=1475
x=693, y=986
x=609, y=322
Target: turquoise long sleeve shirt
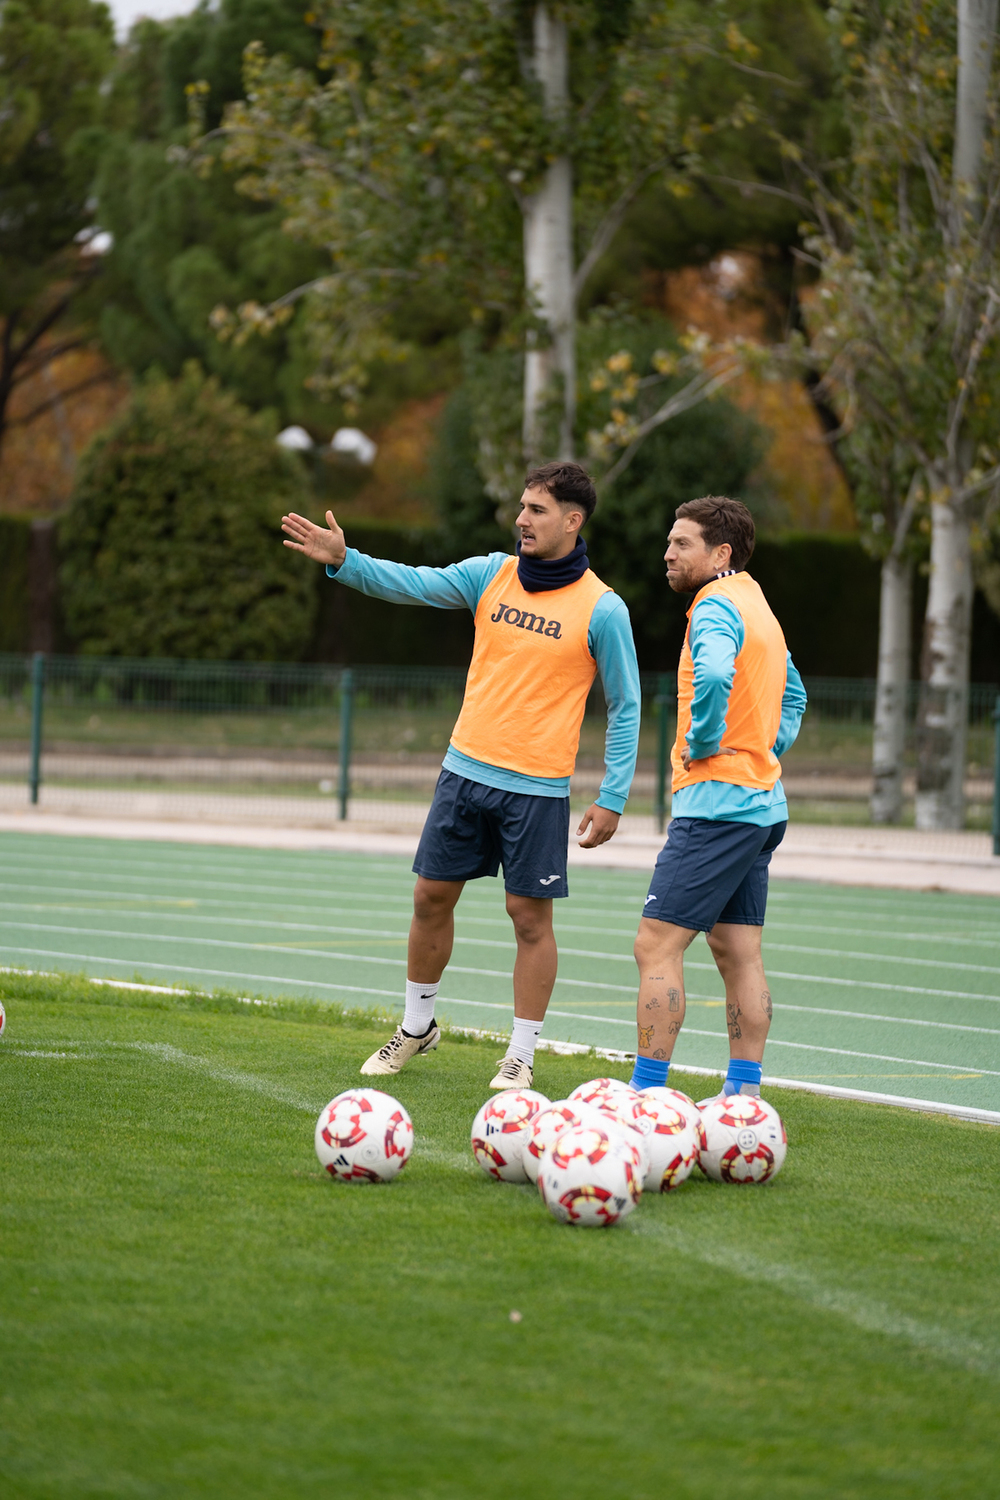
x=609, y=640
x=716, y=637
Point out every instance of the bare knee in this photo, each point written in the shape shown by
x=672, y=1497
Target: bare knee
x=532, y=918
x=660, y=943
x=734, y=946
x=434, y=900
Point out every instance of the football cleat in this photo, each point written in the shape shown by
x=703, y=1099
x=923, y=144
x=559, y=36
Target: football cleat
x=400, y=1049
x=512, y=1073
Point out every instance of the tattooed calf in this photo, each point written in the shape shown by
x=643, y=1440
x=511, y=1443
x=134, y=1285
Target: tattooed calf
x=765, y=1000
x=733, y=1014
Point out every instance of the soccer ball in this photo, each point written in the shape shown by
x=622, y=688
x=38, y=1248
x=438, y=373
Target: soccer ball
x=501, y=1129
x=591, y=1175
x=364, y=1135
x=3, y=1019
x=676, y=1099
x=615, y=1100
x=550, y=1123
x=745, y=1140
x=672, y=1142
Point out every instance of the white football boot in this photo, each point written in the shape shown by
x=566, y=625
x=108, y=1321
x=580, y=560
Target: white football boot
x=512, y=1073
x=400, y=1048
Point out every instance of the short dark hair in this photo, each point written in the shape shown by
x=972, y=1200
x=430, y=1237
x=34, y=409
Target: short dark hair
x=722, y=520
x=566, y=482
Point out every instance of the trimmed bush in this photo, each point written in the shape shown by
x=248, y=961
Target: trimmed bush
x=172, y=545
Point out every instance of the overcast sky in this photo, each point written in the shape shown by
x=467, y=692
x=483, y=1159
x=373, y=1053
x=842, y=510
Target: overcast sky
x=127, y=11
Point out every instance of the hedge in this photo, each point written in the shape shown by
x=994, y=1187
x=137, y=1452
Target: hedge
x=824, y=590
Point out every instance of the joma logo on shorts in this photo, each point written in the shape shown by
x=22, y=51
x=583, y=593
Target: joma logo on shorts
x=524, y=620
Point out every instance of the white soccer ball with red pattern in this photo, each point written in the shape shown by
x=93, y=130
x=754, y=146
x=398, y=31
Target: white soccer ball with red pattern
x=745, y=1140
x=364, y=1135
x=676, y=1098
x=672, y=1144
x=615, y=1100
x=501, y=1129
x=591, y=1175
x=550, y=1123
x=3, y=1019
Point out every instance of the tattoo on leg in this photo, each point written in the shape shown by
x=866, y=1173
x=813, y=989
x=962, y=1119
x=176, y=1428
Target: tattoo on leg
x=673, y=1028
x=660, y=1053
x=653, y=1004
x=674, y=999
x=645, y=1036
x=733, y=1014
x=765, y=1000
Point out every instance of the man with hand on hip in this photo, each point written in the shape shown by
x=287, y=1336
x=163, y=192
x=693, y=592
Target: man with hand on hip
x=740, y=702
x=545, y=626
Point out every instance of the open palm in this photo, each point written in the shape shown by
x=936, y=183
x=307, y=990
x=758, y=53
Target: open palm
x=324, y=544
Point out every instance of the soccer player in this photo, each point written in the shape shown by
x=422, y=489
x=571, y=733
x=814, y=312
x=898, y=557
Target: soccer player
x=739, y=705
x=545, y=625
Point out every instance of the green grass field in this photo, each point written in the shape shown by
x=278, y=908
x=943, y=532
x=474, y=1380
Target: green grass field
x=192, y=1308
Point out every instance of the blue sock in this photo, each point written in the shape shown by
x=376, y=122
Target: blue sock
x=649, y=1072
x=742, y=1077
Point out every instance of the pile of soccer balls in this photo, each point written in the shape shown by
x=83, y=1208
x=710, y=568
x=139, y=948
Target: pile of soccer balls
x=591, y=1155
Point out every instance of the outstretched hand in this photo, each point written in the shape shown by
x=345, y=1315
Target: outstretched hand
x=322, y=545
x=602, y=823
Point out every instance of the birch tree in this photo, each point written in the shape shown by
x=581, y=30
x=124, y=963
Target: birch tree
x=485, y=154
x=904, y=237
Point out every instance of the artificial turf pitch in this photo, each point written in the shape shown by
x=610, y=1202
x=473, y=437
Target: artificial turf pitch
x=894, y=992
x=192, y=1308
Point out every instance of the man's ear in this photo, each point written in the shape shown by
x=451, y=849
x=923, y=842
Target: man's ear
x=577, y=516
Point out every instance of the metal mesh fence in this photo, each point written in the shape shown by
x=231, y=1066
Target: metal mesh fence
x=315, y=744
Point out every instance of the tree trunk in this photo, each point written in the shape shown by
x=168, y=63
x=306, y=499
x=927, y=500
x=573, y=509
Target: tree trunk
x=944, y=695
x=943, y=723
x=550, y=363
x=977, y=24
x=889, y=739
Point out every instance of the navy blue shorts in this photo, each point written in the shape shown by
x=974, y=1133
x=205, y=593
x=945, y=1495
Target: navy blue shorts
x=710, y=872
x=472, y=829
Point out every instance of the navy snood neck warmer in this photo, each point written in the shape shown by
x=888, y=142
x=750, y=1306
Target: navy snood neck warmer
x=536, y=574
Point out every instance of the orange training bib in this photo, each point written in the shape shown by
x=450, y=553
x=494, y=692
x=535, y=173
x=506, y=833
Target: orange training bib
x=530, y=675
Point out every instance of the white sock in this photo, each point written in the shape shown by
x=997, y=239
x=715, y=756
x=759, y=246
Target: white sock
x=523, y=1037
x=419, y=1011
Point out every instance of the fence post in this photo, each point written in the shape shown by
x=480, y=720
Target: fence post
x=37, y=696
x=660, y=801
x=346, y=722
x=996, y=778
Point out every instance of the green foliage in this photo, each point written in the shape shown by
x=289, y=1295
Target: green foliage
x=710, y=450
x=53, y=56
x=172, y=546
x=905, y=328
x=467, y=512
x=207, y=46
x=184, y=243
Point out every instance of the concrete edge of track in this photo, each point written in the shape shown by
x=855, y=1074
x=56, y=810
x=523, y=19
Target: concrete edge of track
x=609, y=1054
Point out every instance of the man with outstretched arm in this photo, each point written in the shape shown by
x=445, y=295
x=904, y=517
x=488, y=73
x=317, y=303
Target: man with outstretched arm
x=740, y=702
x=545, y=626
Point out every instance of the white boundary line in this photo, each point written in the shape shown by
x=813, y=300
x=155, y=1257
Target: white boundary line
x=610, y=1054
